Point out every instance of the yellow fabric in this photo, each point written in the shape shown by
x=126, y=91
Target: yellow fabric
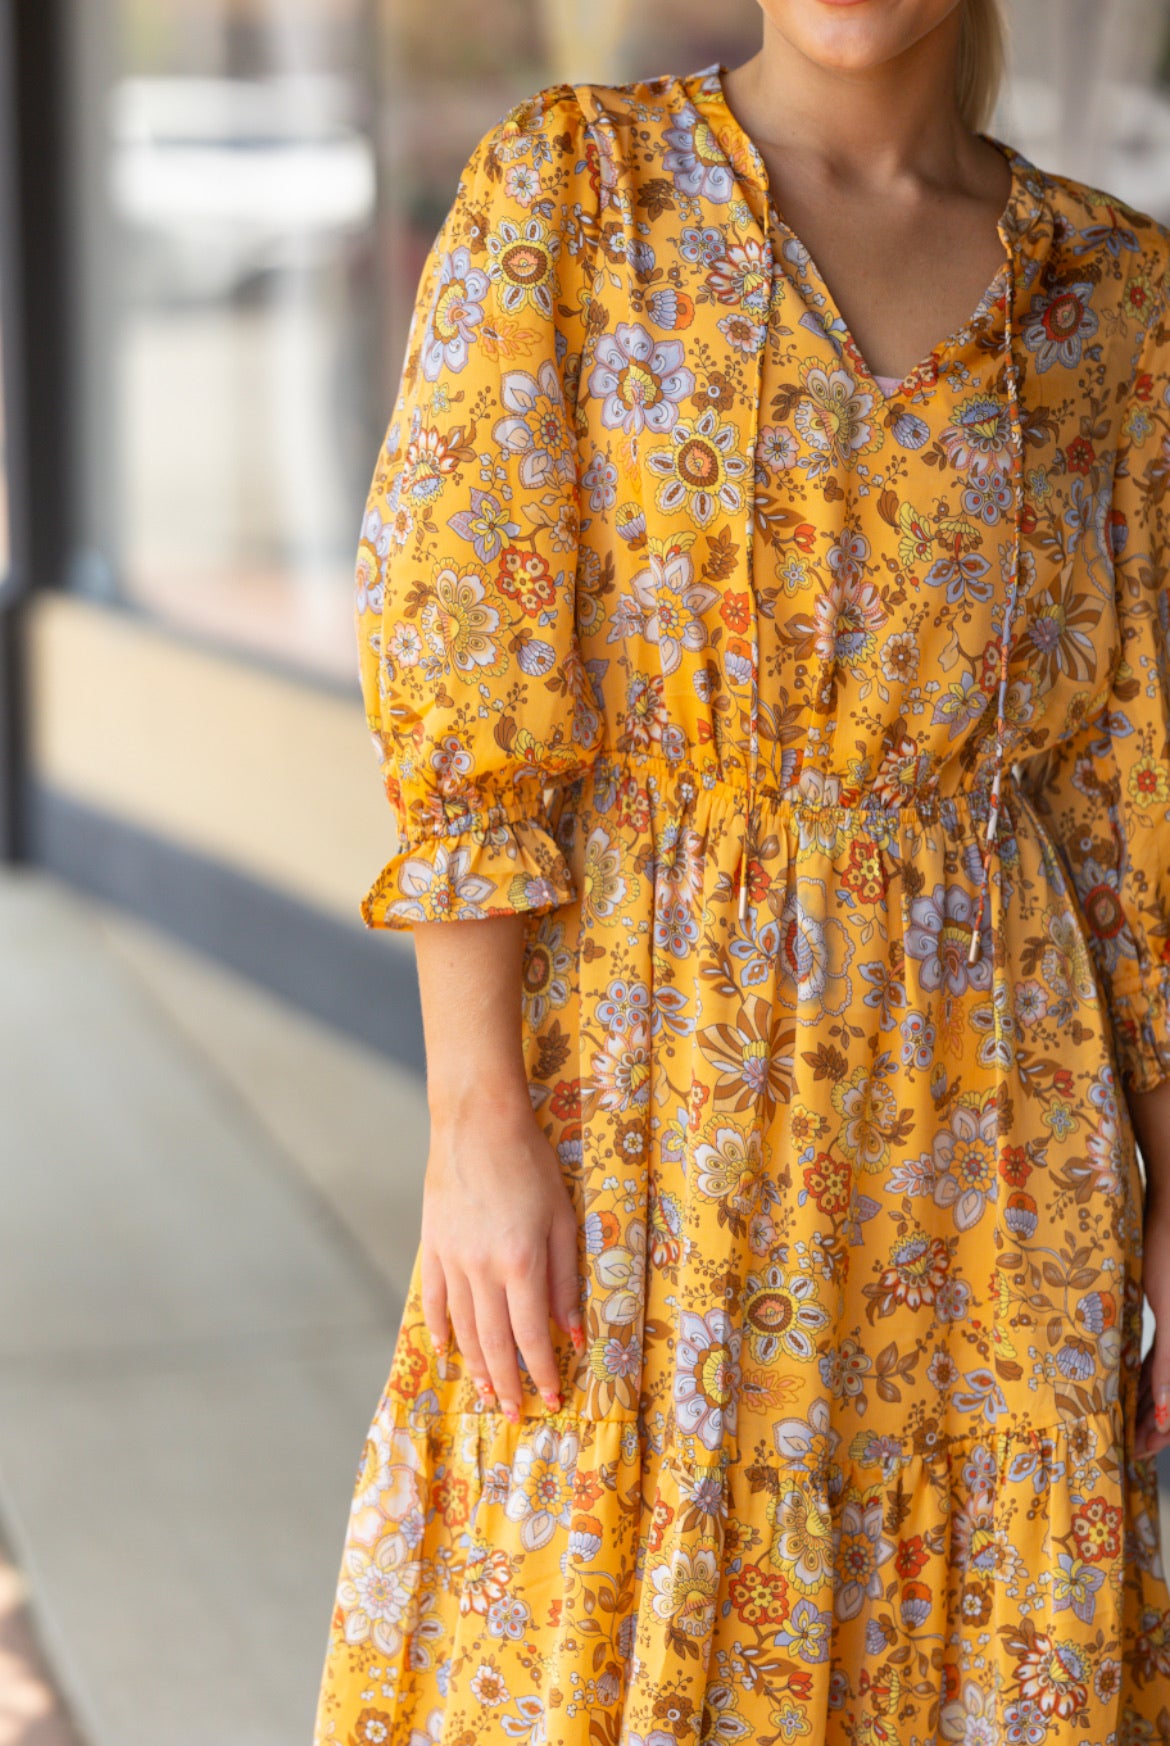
x=847, y=1455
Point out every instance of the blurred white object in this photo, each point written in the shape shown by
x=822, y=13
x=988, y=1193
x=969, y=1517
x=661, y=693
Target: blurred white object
x=221, y=179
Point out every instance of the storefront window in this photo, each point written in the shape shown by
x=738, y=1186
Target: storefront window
x=242, y=187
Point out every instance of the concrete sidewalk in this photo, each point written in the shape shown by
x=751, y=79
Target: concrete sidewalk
x=32, y=1712
x=211, y=1206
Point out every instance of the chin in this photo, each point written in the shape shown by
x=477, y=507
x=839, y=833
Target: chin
x=850, y=35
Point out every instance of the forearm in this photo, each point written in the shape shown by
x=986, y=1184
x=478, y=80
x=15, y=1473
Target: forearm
x=1151, y=1119
x=499, y=1236
x=469, y=986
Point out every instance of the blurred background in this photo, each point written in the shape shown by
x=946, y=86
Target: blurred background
x=213, y=214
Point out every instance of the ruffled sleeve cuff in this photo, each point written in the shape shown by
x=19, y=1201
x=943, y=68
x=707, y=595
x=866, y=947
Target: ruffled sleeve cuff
x=485, y=864
x=1141, y=1024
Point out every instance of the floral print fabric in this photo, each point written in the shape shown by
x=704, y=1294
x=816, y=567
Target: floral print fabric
x=846, y=1455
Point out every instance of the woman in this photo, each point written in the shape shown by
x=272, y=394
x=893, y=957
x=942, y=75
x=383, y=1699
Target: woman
x=780, y=758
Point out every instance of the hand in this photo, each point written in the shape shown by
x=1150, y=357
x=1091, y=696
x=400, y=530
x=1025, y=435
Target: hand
x=499, y=1249
x=1153, y=1406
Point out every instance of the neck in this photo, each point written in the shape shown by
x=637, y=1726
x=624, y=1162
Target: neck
x=889, y=125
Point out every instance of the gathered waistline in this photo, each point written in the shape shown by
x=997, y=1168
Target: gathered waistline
x=681, y=785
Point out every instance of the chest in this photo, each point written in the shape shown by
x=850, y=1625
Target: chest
x=755, y=511
x=902, y=281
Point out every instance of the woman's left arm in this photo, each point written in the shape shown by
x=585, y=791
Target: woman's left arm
x=1151, y=1120
x=1103, y=790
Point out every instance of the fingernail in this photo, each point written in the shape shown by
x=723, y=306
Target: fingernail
x=441, y=1348
x=1162, y=1407
x=552, y=1399
x=510, y=1412
x=577, y=1335
x=484, y=1390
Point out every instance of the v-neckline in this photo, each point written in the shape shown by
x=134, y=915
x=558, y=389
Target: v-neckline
x=1014, y=220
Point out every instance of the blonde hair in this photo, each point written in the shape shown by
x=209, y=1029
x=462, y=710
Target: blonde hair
x=983, y=45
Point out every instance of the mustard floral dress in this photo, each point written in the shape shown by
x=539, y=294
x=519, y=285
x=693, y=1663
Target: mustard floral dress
x=683, y=641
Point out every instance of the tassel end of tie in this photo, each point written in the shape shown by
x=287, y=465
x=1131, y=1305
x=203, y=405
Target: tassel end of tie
x=976, y=945
x=744, y=857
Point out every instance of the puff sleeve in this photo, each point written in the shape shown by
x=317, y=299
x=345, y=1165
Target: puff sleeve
x=1106, y=789
x=475, y=691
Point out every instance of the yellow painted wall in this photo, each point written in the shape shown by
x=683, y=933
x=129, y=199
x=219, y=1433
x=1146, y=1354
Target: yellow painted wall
x=270, y=776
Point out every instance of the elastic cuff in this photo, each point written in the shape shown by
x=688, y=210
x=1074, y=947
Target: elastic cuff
x=506, y=867
x=1141, y=1023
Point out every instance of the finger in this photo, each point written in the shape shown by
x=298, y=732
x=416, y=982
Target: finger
x=1160, y=1382
x=1148, y=1440
x=433, y=1291
x=1153, y=1432
x=528, y=1308
x=498, y=1343
x=564, y=1274
x=461, y=1304
x=1144, y=1428
x=1145, y=1393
